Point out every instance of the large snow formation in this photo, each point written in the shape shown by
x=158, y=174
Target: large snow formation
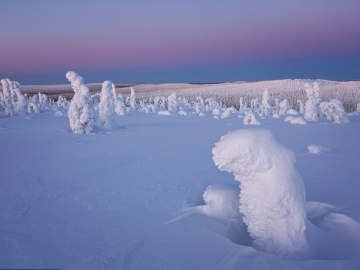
x=272, y=196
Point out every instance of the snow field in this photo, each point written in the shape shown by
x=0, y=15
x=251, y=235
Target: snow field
x=147, y=195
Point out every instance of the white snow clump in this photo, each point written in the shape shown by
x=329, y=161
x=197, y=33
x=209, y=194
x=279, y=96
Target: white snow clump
x=298, y=121
x=312, y=111
x=318, y=149
x=250, y=119
x=272, y=196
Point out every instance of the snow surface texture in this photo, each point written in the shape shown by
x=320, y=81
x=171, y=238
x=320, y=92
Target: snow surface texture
x=272, y=196
x=101, y=201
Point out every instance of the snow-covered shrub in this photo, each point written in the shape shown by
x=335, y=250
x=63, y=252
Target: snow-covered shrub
x=160, y=102
x=106, y=106
x=284, y=106
x=62, y=102
x=312, y=111
x=211, y=104
x=250, y=119
x=228, y=112
x=199, y=106
x=272, y=196
x=298, y=121
x=358, y=107
x=334, y=109
x=7, y=98
x=80, y=112
x=265, y=105
x=43, y=101
x=33, y=105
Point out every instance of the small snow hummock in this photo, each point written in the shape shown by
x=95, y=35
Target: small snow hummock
x=272, y=196
x=318, y=149
x=298, y=121
x=250, y=119
x=164, y=113
x=289, y=118
x=275, y=115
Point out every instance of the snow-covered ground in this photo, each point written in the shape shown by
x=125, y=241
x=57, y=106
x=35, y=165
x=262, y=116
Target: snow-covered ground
x=148, y=195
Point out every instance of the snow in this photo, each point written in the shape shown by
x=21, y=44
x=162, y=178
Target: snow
x=318, y=149
x=298, y=121
x=147, y=195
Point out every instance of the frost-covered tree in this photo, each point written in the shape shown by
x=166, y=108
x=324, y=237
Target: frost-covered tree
x=132, y=100
x=242, y=107
x=284, y=106
x=301, y=106
x=21, y=100
x=7, y=98
x=312, y=111
x=334, y=110
x=255, y=105
x=43, y=101
x=106, y=106
x=120, y=107
x=173, y=103
x=272, y=196
x=80, y=112
x=265, y=105
x=276, y=107
x=62, y=102
x=358, y=107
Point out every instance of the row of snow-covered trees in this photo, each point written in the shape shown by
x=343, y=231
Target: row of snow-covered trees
x=14, y=102
x=86, y=111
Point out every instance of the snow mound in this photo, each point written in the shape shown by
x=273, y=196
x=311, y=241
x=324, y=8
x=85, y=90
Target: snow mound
x=275, y=115
x=272, y=196
x=318, y=149
x=289, y=118
x=201, y=114
x=292, y=112
x=183, y=113
x=298, y=121
x=164, y=113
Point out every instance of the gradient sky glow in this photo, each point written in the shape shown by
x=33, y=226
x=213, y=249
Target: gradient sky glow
x=179, y=41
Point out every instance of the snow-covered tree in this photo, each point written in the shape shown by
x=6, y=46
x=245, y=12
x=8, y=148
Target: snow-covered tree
x=120, y=107
x=242, y=107
x=334, y=110
x=173, y=103
x=7, y=98
x=312, y=111
x=21, y=100
x=265, y=105
x=272, y=193
x=255, y=105
x=301, y=106
x=80, y=112
x=132, y=100
x=284, y=106
x=106, y=106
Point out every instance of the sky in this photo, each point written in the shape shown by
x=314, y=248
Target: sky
x=197, y=41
